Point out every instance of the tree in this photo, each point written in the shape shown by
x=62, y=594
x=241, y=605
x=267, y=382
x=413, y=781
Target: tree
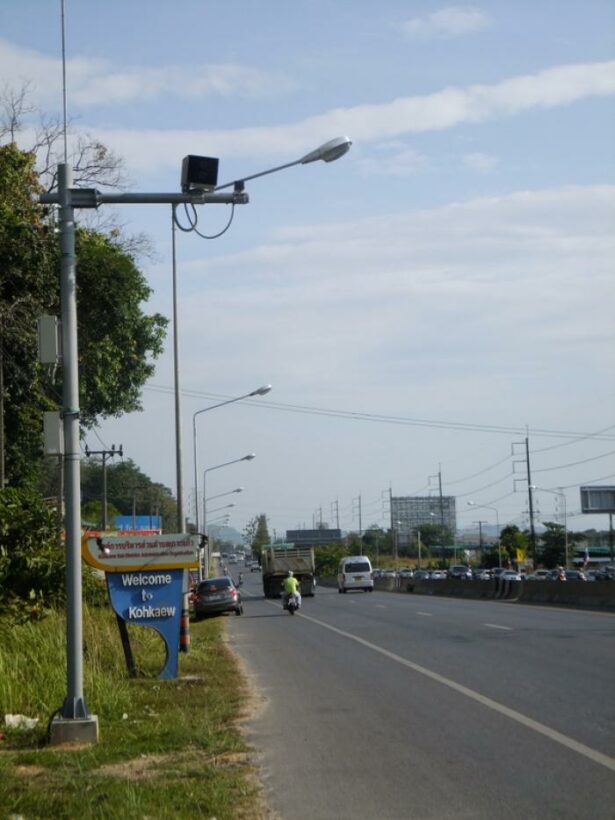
x=513, y=542
x=116, y=338
x=262, y=537
x=553, y=544
x=256, y=534
x=128, y=489
x=26, y=283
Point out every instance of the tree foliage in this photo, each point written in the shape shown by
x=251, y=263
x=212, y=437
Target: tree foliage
x=128, y=488
x=117, y=340
x=256, y=534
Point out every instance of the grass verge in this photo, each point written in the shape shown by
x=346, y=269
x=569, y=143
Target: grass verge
x=168, y=749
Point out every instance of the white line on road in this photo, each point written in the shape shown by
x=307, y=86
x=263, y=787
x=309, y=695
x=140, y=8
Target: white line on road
x=497, y=626
x=380, y=606
x=524, y=720
x=425, y=614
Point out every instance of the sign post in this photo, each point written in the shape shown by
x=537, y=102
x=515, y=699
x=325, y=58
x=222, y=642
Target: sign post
x=145, y=579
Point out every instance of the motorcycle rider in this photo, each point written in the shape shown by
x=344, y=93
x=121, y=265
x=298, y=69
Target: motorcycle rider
x=290, y=586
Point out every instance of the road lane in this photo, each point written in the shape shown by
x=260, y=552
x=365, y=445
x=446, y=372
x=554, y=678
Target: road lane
x=374, y=738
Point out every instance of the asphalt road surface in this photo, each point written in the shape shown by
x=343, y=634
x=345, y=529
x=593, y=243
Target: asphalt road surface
x=381, y=705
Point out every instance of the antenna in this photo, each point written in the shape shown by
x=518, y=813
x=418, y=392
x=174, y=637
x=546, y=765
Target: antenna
x=64, y=83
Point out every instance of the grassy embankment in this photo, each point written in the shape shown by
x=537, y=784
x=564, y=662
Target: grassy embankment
x=168, y=749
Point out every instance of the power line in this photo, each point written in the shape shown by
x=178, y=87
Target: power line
x=398, y=420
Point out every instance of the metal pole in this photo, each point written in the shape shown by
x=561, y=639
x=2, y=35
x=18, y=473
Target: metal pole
x=181, y=520
x=74, y=707
x=531, y=503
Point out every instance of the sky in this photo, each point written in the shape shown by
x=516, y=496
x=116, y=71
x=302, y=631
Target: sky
x=421, y=305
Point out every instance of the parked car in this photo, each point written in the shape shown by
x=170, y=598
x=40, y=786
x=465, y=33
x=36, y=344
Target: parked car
x=510, y=575
x=388, y=573
x=575, y=575
x=438, y=575
x=421, y=574
x=406, y=573
x=539, y=575
x=459, y=571
x=482, y=574
x=216, y=595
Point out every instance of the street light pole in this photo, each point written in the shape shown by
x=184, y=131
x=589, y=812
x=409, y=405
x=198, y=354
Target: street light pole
x=249, y=457
x=261, y=391
x=74, y=721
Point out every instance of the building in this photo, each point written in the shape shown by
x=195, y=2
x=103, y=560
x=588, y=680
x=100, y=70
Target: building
x=410, y=513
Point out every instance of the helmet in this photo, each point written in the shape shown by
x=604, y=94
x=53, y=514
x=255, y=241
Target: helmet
x=290, y=573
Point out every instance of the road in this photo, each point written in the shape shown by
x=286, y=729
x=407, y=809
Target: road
x=379, y=705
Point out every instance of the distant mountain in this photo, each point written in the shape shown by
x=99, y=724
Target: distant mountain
x=228, y=534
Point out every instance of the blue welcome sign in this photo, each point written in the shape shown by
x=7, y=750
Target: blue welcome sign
x=151, y=598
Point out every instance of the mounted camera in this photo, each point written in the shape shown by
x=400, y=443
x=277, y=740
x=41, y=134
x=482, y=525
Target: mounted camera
x=199, y=173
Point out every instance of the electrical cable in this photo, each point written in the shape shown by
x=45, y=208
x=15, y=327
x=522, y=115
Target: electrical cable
x=573, y=463
x=194, y=219
x=384, y=419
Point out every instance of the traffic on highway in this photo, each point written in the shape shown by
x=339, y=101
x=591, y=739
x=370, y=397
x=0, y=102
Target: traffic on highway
x=401, y=706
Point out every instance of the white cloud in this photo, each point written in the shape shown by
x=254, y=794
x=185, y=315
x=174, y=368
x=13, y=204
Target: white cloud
x=553, y=87
x=448, y=22
x=95, y=82
x=490, y=281
x=483, y=163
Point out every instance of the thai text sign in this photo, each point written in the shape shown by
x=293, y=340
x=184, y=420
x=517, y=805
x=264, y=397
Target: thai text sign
x=119, y=553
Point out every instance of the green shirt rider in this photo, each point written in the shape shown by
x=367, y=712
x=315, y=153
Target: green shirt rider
x=291, y=586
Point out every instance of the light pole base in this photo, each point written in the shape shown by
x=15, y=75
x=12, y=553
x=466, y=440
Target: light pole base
x=73, y=730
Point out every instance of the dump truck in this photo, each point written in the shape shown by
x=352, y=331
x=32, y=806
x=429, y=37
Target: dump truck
x=277, y=559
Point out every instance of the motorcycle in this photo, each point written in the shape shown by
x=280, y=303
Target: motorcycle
x=291, y=603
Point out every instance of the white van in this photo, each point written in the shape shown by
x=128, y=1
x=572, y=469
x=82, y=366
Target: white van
x=355, y=572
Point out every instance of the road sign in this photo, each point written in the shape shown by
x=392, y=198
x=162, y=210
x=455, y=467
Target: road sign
x=598, y=499
x=120, y=553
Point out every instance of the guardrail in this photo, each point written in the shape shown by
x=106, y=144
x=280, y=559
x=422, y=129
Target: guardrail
x=588, y=594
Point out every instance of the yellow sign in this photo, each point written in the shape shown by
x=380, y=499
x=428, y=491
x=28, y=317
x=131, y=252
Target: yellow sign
x=122, y=553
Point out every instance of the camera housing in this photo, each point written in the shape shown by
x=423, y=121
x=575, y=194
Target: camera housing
x=199, y=173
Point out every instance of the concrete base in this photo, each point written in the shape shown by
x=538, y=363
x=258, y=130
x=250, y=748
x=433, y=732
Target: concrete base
x=73, y=730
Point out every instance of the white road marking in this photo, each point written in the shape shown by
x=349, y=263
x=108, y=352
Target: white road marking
x=574, y=745
x=425, y=614
x=497, y=626
x=380, y=606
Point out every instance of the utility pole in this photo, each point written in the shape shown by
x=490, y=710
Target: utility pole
x=105, y=455
x=531, y=502
x=480, y=540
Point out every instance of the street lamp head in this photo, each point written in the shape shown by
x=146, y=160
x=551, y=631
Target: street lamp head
x=249, y=457
x=261, y=390
x=238, y=490
x=329, y=151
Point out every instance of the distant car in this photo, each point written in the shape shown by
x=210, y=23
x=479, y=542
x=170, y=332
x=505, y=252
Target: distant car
x=421, y=575
x=406, y=573
x=255, y=566
x=482, y=575
x=575, y=575
x=438, y=575
x=459, y=571
x=539, y=575
x=510, y=575
x=217, y=595
x=388, y=573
